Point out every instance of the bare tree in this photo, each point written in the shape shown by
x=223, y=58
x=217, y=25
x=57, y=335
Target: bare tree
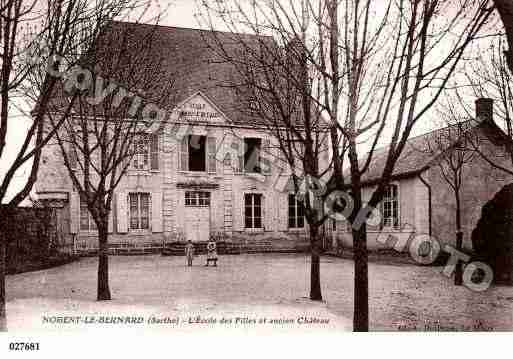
x=108, y=124
x=35, y=34
x=273, y=83
x=488, y=77
x=371, y=71
x=451, y=152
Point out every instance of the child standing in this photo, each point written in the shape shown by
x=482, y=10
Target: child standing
x=211, y=252
x=189, y=252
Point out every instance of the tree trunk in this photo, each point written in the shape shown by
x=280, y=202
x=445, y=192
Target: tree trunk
x=3, y=265
x=103, y=263
x=3, y=313
x=315, y=265
x=458, y=273
x=361, y=280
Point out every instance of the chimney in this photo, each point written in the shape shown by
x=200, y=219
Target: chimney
x=484, y=109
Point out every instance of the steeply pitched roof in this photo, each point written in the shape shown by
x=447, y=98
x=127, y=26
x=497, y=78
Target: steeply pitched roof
x=419, y=153
x=190, y=55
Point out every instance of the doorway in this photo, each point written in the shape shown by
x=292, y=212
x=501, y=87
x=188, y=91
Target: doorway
x=197, y=216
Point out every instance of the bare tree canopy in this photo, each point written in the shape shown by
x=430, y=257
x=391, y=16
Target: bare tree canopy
x=38, y=38
x=106, y=107
x=367, y=71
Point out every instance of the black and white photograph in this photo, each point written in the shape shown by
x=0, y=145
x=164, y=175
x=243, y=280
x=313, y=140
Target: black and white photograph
x=267, y=167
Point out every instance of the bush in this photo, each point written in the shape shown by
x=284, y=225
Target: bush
x=492, y=238
x=31, y=239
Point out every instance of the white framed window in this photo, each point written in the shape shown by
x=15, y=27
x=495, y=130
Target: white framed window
x=146, y=152
x=390, y=207
x=140, y=159
x=197, y=199
x=253, y=210
x=86, y=219
x=296, y=212
x=139, y=204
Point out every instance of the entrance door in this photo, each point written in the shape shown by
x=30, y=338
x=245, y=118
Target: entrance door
x=197, y=216
x=197, y=223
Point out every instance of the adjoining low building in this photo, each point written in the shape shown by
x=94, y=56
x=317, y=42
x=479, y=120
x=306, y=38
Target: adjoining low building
x=200, y=174
x=420, y=201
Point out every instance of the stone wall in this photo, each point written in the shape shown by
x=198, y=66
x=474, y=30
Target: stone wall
x=480, y=183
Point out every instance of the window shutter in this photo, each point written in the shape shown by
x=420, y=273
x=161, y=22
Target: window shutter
x=122, y=213
x=285, y=162
x=156, y=212
x=211, y=154
x=238, y=211
x=382, y=223
x=154, y=151
x=239, y=164
x=74, y=212
x=371, y=227
x=283, y=212
x=268, y=212
x=124, y=157
x=72, y=157
x=110, y=225
x=265, y=157
x=184, y=154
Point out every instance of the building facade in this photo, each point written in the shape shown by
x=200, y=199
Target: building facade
x=209, y=170
x=191, y=179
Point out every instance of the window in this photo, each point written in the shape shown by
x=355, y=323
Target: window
x=252, y=154
x=252, y=210
x=197, y=158
x=390, y=207
x=197, y=153
x=146, y=152
x=86, y=220
x=296, y=212
x=197, y=198
x=139, y=204
x=140, y=159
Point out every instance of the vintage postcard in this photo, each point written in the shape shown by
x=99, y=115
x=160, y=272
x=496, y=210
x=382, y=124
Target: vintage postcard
x=306, y=167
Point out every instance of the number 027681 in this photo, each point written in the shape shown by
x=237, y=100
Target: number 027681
x=23, y=346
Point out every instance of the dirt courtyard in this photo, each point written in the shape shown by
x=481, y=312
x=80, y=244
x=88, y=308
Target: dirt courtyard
x=402, y=297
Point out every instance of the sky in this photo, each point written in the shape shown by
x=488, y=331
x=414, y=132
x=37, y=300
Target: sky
x=180, y=13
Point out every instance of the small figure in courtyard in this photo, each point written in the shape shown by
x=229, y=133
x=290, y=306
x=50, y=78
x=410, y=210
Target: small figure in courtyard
x=189, y=252
x=211, y=252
